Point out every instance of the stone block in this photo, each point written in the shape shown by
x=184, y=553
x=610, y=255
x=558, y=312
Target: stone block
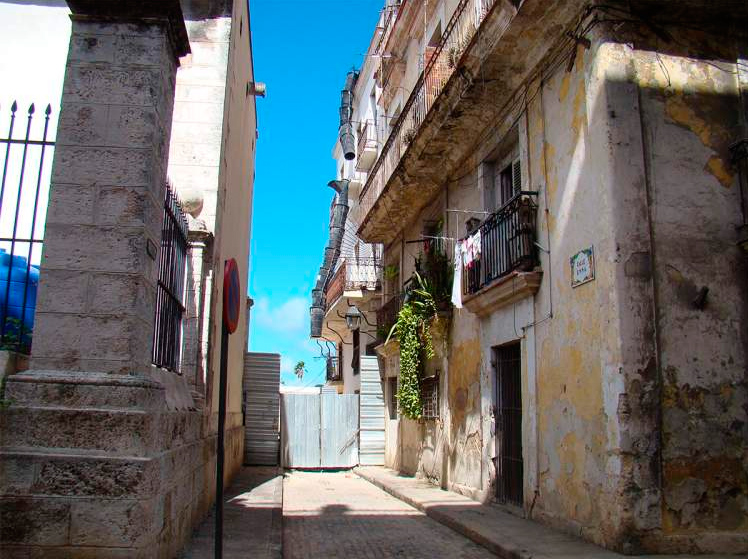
x=100, y=477
x=102, y=165
x=129, y=126
x=92, y=48
x=79, y=552
x=200, y=177
x=213, y=30
x=209, y=53
x=200, y=93
x=83, y=124
x=120, y=433
x=71, y=204
x=122, y=294
x=74, y=285
x=129, y=206
x=84, y=389
x=85, y=83
x=114, y=366
x=88, y=337
x=116, y=523
x=140, y=50
x=198, y=112
x=188, y=153
x=198, y=134
x=34, y=521
x=84, y=248
x=16, y=474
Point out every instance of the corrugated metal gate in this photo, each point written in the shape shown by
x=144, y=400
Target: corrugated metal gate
x=372, y=414
x=319, y=430
x=261, y=408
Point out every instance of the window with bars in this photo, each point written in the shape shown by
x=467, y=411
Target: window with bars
x=172, y=264
x=430, y=397
x=392, y=400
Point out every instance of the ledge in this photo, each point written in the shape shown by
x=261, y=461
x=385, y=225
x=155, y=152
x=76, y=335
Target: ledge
x=500, y=293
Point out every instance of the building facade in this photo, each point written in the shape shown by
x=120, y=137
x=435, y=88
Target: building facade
x=577, y=170
x=109, y=436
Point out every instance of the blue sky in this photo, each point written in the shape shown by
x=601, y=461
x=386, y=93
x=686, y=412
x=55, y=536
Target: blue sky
x=302, y=51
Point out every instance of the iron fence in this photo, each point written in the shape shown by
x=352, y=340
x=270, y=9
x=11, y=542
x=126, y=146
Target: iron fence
x=507, y=243
x=24, y=193
x=334, y=373
x=172, y=264
x=443, y=60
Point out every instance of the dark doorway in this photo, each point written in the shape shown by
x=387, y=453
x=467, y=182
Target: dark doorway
x=509, y=423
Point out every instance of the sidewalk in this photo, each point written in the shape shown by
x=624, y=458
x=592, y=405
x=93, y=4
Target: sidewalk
x=502, y=533
x=252, y=518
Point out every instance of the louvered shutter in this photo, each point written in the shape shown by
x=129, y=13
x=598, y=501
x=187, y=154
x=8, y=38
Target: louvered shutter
x=516, y=177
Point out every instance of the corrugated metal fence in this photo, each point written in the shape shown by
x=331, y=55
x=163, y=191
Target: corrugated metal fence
x=261, y=408
x=319, y=430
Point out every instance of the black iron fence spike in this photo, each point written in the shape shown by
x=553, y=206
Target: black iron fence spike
x=31, y=109
x=48, y=110
x=14, y=107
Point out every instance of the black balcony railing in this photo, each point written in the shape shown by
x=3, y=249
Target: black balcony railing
x=507, y=243
x=387, y=315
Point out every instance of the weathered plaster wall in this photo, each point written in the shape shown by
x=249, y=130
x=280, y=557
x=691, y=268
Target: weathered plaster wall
x=690, y=116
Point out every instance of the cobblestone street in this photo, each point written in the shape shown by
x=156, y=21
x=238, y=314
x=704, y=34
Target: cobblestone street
x=339, y=515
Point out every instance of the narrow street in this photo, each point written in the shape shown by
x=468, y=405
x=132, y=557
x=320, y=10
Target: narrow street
x=338, y=514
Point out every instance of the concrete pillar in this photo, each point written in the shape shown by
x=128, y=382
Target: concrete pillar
x=98, y=277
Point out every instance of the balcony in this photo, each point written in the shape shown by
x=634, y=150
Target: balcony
x=367, y=146
x=387, y=316
x=505, y=271
x=353, y=275
x=467, y=82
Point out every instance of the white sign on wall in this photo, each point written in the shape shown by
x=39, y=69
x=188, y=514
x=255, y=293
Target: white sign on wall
x=582, y=267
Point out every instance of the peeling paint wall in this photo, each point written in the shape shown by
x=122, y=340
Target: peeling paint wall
x=690, y=116
x=634, y=387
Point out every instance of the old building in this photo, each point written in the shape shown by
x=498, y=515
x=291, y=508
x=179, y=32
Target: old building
x=581, y=162
x=108, y=439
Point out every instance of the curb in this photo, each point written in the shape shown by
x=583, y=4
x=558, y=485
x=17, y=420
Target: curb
x=507, y=551
x=275, y=546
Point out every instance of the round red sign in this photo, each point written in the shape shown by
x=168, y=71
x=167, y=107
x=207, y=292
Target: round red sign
x=231, y=295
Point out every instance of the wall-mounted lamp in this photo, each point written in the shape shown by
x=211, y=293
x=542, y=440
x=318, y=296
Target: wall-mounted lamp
x=258, y=89
x=353, y=317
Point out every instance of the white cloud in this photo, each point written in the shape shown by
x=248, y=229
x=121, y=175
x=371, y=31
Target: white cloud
x=292, y=316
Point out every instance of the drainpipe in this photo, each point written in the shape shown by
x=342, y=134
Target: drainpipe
x=345, y=132
x=332, y=253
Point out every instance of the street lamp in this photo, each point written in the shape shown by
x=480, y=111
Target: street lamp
x=353, y=317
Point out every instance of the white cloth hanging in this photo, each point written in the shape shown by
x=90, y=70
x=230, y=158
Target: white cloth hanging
x=457, y=279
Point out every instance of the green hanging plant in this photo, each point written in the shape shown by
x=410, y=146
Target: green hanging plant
x=413, y=331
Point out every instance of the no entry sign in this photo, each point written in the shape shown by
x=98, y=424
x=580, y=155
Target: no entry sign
x=231, y=295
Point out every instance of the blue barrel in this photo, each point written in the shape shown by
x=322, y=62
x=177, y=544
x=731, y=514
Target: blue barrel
x=14, y=312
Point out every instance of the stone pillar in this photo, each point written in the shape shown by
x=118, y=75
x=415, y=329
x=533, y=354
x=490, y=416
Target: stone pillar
x=97, y=286
x=198, y=263
x=96, y=459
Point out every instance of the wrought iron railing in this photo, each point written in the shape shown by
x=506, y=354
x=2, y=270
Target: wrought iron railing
x=442, y=63
x=24, y=192
x=367, y=137
x=507, y=243
x=352, y=274
x=172, y=265
x=387, y=315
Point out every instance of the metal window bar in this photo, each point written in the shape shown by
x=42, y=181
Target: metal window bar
x=21, y=231
x=172, y=265
x=430, y=397
x=333, y=369
x=507, y=243
x=509, y=486
x=387, y=315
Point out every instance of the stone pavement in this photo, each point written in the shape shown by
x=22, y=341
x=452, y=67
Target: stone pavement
x=252, y=518
x=500, y=532
x=329, y=515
